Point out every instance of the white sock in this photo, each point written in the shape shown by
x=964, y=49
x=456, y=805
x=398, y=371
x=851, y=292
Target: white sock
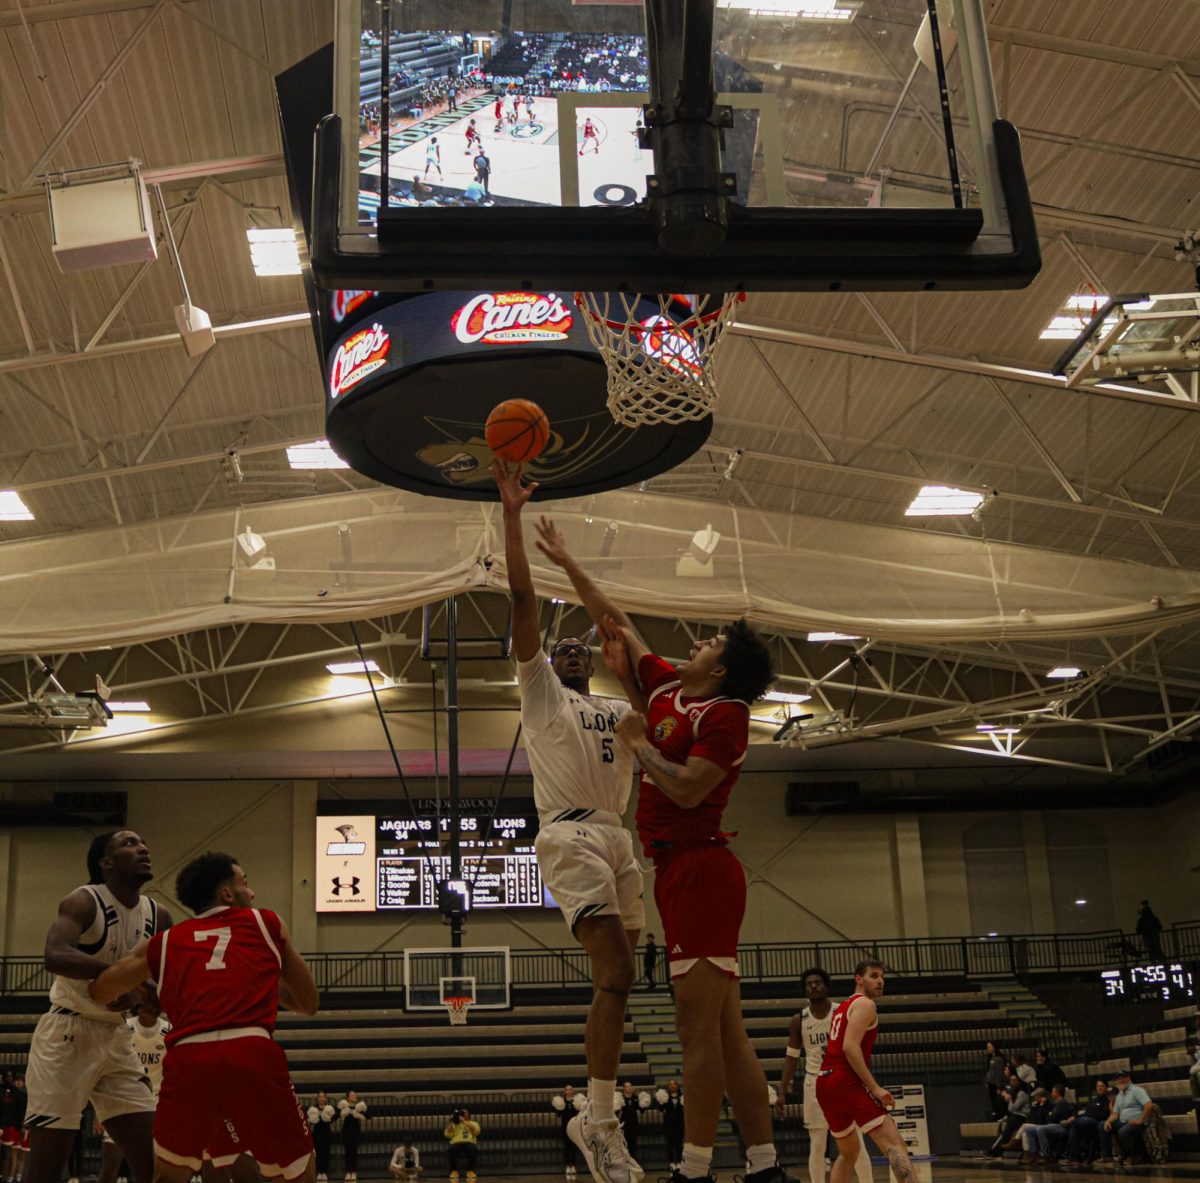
x=696, y=1161
x=600, y=1099
x=816, y=1155
x=761, y=1157
x=862, y=1165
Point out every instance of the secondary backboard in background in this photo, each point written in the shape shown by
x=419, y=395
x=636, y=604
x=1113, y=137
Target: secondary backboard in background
x=432, y=975
x=849, y=163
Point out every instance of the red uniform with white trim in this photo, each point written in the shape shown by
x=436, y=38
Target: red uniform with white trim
x=699, y=885
x=841, y=1094
x=225, y=1089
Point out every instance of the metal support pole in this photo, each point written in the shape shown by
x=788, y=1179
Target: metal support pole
x=456, y=921
x=385, y=105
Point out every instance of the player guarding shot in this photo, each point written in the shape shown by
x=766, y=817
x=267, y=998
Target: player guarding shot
x=582, y=778
x=852, y=1100
x=590, y=133
x=808, y=1033
x=433, y=158
x=221, y=978
x=82, y=1048
x=690, y=743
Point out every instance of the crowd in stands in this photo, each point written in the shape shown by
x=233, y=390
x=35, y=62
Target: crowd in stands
x=545, y=63
x=1034, y=1116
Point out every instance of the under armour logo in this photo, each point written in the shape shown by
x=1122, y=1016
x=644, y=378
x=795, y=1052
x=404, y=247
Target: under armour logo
x=352, y=887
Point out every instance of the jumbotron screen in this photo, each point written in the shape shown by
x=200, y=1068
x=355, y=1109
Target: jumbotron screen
x=393, y=861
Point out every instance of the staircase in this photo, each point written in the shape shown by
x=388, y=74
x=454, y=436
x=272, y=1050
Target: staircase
x=1042, y=1025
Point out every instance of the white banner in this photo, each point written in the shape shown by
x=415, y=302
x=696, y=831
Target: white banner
x=910, y=1118
x=345, y=878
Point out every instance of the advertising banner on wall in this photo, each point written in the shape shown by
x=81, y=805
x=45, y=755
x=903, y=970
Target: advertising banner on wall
x=911, y=1118
x=345, y=880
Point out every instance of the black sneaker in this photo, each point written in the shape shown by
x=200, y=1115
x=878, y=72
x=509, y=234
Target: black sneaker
x=775, y=1174
x=677, y=1176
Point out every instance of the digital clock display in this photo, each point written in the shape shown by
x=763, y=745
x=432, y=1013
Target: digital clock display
x=1167, y=981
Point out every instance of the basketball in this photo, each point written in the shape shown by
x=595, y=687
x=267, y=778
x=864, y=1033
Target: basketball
x=517, y=430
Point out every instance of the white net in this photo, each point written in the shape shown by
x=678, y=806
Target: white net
x=457, y=1009
x=784, y=571
x=659, y=351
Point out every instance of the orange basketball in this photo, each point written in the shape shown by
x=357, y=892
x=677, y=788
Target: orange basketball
x=517, y=430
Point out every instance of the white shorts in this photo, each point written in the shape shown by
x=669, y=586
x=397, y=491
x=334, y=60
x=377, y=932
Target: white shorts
x=591, y=870
x=814, y=1118
x=73, y=1060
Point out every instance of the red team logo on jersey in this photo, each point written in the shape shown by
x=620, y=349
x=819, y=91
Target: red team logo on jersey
x=359, y=355
x=500, y=318
x=665, y=728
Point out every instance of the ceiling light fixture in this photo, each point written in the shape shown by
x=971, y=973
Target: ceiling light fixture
x=1064, y=671
x=12, y=508
x=318, y=454
x=828, y=636
x=274, y=251
x=786, y=696
x=1080, y=903
x=943, y=501
x=353, y=667
x=129, y=708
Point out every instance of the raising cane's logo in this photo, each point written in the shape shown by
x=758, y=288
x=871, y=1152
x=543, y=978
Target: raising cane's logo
x=501, y=318
x=342, y=303
x=356, y=357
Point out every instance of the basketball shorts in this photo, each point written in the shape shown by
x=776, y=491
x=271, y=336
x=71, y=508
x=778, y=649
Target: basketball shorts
x=72, y=1060
x=226, y=1097
x=701, y=897
x=814, y=1119
x=591, y=870
x=13, y=1137
x=847, y=1105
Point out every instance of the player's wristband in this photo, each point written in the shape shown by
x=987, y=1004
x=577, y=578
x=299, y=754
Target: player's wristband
x=794, y=1052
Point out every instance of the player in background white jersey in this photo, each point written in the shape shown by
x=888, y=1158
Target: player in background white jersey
x=148, y=1027
x=82, y=1049
x=582, y=778
x=808, y=1033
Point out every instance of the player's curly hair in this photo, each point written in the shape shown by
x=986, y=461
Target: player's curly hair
x=747, y=661
x=196, y=886
x=96, y=851
x=814, y=971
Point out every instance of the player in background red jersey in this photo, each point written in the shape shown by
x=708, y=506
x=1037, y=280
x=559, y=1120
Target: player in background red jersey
x=221, y=978
x=849, y=1096
x=691, y=742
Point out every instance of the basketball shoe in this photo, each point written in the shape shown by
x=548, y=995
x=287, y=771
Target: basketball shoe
x=775, y=1174
x=603, y=1147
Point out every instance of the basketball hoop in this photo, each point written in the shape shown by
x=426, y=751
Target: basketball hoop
x=456, y=1007
x=659, y=362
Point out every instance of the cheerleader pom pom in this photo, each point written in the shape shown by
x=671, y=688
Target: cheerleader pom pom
x=558, y=1103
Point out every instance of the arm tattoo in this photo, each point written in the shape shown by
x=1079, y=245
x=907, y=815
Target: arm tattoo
x=900, y=1163
x=652, y=762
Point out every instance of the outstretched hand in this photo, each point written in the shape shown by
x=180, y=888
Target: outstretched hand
x=513, y=492
x=551, y=543
x=631, y=729
x=613, y=647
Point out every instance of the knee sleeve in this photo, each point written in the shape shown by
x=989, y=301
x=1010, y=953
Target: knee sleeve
x=816, y=1155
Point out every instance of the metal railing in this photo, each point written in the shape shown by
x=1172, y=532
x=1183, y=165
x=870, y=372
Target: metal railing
x=966, y=957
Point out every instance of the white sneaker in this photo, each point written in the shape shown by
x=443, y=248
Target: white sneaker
x=604, y=1150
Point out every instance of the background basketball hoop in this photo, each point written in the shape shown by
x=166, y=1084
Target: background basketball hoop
x=659, y=362
x=456, y=1007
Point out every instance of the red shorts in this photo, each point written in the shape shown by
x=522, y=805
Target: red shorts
x=701, y=896
x=847, y=1105
x=16, y=1138
x=228, y=1097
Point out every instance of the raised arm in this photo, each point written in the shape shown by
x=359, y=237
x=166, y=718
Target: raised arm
x=553, y=545
x=527, y=640
x=614, y=649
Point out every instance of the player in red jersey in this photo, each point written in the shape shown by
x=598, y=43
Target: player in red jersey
x=221, y=978
x=590, y=133
x=849, y=1096
x=691, y=742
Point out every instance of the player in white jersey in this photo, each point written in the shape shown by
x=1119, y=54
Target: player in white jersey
x=82, y=1050
x=582, y=778
x=808, y=1033
x=148, y=1028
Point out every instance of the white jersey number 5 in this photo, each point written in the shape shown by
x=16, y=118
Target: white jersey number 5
x=222, y=937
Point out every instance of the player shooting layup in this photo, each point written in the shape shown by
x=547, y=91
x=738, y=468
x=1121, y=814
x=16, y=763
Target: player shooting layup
x=82, y=1048
x=582, y=778
x=691, y=743
x=852, y=1100
x=808, y=1033
x=221, y=978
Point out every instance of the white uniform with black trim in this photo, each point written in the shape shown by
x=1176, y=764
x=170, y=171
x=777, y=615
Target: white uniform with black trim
x=815, y=1034
x=582, y=778
x=81, y=1050
x=149, y=1045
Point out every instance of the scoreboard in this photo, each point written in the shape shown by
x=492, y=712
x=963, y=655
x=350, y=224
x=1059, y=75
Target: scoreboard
x=382, y=862
x=1168, y=981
